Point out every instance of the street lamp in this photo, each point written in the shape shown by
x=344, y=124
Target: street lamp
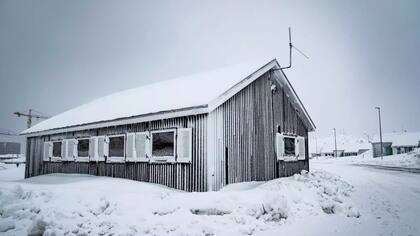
x=380, y=131
x=335, y=143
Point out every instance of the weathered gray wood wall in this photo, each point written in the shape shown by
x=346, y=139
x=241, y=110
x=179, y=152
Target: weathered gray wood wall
x=242, y=135
x=185, y=176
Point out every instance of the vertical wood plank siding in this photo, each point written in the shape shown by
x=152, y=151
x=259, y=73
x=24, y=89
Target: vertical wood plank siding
x=238, y=136
x=184, y=176
x=245, y=125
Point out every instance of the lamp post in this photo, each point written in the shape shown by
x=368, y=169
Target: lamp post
x=335, y=143
x=380, y=131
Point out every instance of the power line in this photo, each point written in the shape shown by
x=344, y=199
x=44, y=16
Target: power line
x=40, y=113
x=7, y=132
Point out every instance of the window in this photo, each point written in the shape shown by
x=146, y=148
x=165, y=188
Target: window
x=116, y=146
x=83, y=148
x=56, y=149
x=289, y=146
x=163, y=143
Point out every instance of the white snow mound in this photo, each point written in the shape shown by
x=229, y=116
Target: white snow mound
x=62, y=204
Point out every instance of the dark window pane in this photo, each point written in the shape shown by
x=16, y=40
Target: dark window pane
x=163, y=144
x=289, y=146
x=57, y=149
x=116, y=146
x=83, y=148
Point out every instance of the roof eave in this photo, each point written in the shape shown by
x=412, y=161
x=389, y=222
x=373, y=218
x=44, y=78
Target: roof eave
x=196, y=110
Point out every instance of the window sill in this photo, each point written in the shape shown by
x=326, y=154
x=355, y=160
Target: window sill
x=185, y=161
x=82, y=159
x=162, y=160
x=56, y=159
x=115, y=160
x=137, y=160
x=289, y=158
x=97, y=159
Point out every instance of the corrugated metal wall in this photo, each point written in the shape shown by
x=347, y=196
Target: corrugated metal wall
x=239, y=138
x=241, y=135
x=188, y=177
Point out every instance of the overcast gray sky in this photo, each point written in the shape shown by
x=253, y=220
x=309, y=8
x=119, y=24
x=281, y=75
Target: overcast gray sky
x=55, y=55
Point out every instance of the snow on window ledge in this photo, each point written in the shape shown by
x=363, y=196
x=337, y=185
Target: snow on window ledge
x=162, y=160
x=56, y=159
x=184, y=160
x=291, y=158
x=82, y=159
x=115, y=160
x=137, y=160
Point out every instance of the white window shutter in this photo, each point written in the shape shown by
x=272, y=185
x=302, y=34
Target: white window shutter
x=301, y=146
x=102, y=148
x=71, y=149
x=75, y=152
x=93, y=150
x=280, y=146
x=184, y=145
x=130, y=147
x=50, y=150
x=63, y=149
x=47, y=151
x=142, y=146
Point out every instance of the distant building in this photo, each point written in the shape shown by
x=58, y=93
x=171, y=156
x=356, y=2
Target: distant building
x=347, y=145
x=395, y=143
x=9, y=148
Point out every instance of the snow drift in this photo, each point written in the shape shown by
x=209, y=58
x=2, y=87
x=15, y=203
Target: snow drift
x=63, y=204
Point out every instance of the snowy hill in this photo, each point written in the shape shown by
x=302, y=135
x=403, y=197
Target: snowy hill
x=348, y=143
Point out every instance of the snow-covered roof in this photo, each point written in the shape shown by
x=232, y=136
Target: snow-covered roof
x=399, y=138
x=194, y=94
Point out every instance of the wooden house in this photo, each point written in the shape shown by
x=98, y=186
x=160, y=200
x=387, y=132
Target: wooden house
x=194, y=133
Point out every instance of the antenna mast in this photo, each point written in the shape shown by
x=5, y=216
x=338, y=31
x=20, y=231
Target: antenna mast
x=291, y=46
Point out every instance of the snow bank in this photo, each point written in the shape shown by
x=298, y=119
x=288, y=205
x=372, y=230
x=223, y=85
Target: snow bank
x=406, y=160
x=11, y=172
x=62, y=204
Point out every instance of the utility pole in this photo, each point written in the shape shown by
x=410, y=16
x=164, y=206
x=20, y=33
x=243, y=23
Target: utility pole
x=29, y=115
x=335, y=143
x=380, y=131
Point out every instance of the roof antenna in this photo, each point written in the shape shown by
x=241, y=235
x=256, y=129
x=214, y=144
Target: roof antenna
x=291, y=46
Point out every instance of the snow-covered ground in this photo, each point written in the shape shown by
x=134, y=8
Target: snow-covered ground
x=388, y=201
x=406, y=160
x=362, y=201
x=10, y=172
x=80, y=204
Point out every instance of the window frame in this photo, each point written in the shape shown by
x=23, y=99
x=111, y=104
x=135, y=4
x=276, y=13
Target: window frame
x=57, y=158
x=294, y=143
x=163, y=158
x=288, y=157
x=82, y=158
x=116, y=158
